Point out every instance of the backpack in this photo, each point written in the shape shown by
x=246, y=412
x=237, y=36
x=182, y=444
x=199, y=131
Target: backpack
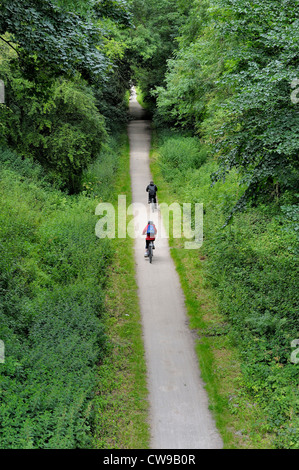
x=152, y=190
x=150, y=231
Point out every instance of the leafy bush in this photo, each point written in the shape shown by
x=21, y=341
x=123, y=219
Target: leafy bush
x=77, y=132
x=230, y=82
x=49, y=376
x=178, y=154
x=52, y=280
x=258, y=293
x=63, y=131
x=97, y=178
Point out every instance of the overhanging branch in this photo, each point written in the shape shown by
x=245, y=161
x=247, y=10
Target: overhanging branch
x=7, y=42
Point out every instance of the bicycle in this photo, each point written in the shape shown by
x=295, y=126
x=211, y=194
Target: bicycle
x=150, y=251
x=152, y=203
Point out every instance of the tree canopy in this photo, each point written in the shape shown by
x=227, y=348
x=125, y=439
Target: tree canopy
x=220, y=69
x=63, y=65
x=230, y=82
x=51, y=40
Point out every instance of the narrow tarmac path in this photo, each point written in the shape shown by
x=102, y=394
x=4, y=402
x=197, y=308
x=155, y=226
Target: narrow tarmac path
x=179, y=415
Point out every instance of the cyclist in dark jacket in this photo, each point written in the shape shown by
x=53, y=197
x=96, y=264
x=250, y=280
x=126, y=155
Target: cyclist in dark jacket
x=152, y=191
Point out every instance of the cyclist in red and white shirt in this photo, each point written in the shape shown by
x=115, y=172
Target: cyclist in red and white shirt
x=151, y=231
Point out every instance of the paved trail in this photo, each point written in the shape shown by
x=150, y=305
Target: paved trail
x=179, y=413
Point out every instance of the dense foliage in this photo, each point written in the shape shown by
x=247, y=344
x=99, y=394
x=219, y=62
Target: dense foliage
x=52, y=280
x=64, y=133
x=152, y=41
x=65, y=76
x=223, y=74
x=252, y=265
x=51, y=41
x=230, y=82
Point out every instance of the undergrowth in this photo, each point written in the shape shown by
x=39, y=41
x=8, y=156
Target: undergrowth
x=53, y=272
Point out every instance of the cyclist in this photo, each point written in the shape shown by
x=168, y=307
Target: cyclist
x=152, y=191
x=150, y=230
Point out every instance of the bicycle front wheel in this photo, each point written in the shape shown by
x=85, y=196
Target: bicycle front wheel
x=150, y=253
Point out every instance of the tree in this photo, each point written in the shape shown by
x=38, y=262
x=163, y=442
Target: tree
x=260, y=133
x=65, y=79
x=51, y=41
x=230, y=82
x=153, y=40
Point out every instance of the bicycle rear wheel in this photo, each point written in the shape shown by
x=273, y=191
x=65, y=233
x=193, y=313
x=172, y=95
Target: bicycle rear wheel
x=152, y=204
